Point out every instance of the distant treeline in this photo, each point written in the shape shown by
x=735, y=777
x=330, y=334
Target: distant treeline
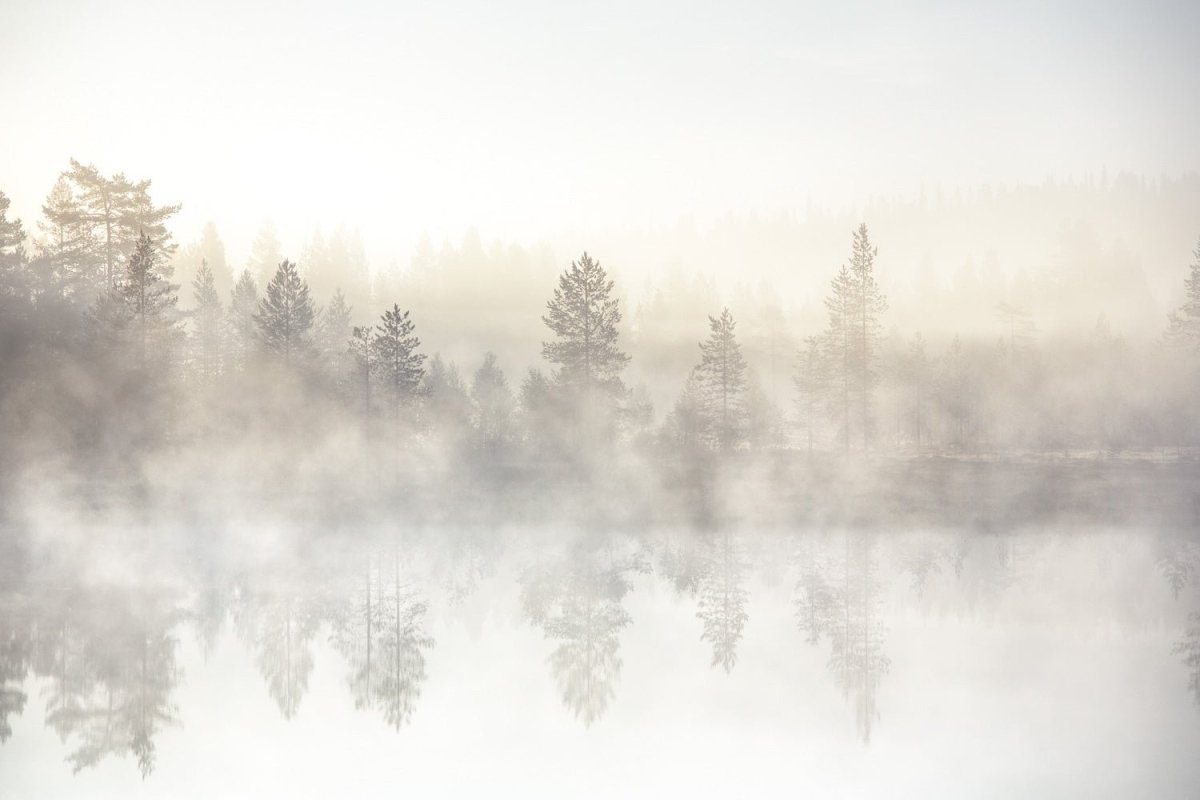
x=105, y=371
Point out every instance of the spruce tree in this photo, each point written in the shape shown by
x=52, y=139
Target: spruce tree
x=721, y=375
x=285, y=315
x=400, y=365
x=151, y=300
x=207, y=317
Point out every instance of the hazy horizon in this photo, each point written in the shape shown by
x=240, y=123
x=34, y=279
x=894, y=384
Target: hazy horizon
x=534, y=125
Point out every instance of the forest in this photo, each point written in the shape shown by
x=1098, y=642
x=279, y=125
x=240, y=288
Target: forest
x=308, y=383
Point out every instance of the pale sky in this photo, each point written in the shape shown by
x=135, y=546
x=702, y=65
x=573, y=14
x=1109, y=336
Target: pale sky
x=527, y=119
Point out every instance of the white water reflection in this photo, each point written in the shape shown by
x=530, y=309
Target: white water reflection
x=712, y=662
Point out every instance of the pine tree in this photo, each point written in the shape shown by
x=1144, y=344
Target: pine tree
x=207, y=316
x=243, y=305
x=721, y=376
x=869, y=304
x=400, y=365
x=1185, y=322
x=151, y=301
x=584, y=316
x=68, y=244
x=119, y=212
x=285, y=316
x=855, y=304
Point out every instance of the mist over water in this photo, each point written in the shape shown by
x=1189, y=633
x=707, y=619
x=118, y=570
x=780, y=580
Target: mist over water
x=634, y=401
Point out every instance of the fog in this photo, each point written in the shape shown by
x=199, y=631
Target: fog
x=623, y=401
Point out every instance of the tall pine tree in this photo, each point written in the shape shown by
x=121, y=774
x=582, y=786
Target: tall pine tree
x=583, y=315
x=722, y=381
x=151, y=300
x=286, y=315
x=400, y=366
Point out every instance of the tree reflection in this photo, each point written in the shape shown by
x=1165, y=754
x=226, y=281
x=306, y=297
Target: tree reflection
x=577, y=603
x=278, y=626
x=379, y=629
x=110, y=657
x=16, y=644
x=723, y=599
x=1189, y=648
x=839, y=599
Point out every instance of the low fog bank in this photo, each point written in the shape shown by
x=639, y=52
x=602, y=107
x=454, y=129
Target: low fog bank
x=536, y=394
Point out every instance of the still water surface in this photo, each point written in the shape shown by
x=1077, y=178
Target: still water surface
x=677, y=662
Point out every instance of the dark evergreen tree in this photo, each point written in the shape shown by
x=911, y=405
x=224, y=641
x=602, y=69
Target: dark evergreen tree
x=400, y=366
x=285, y=316
x=721, y=379
x=151, y=302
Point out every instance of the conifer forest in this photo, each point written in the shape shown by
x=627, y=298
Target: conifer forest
x=640, y=401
